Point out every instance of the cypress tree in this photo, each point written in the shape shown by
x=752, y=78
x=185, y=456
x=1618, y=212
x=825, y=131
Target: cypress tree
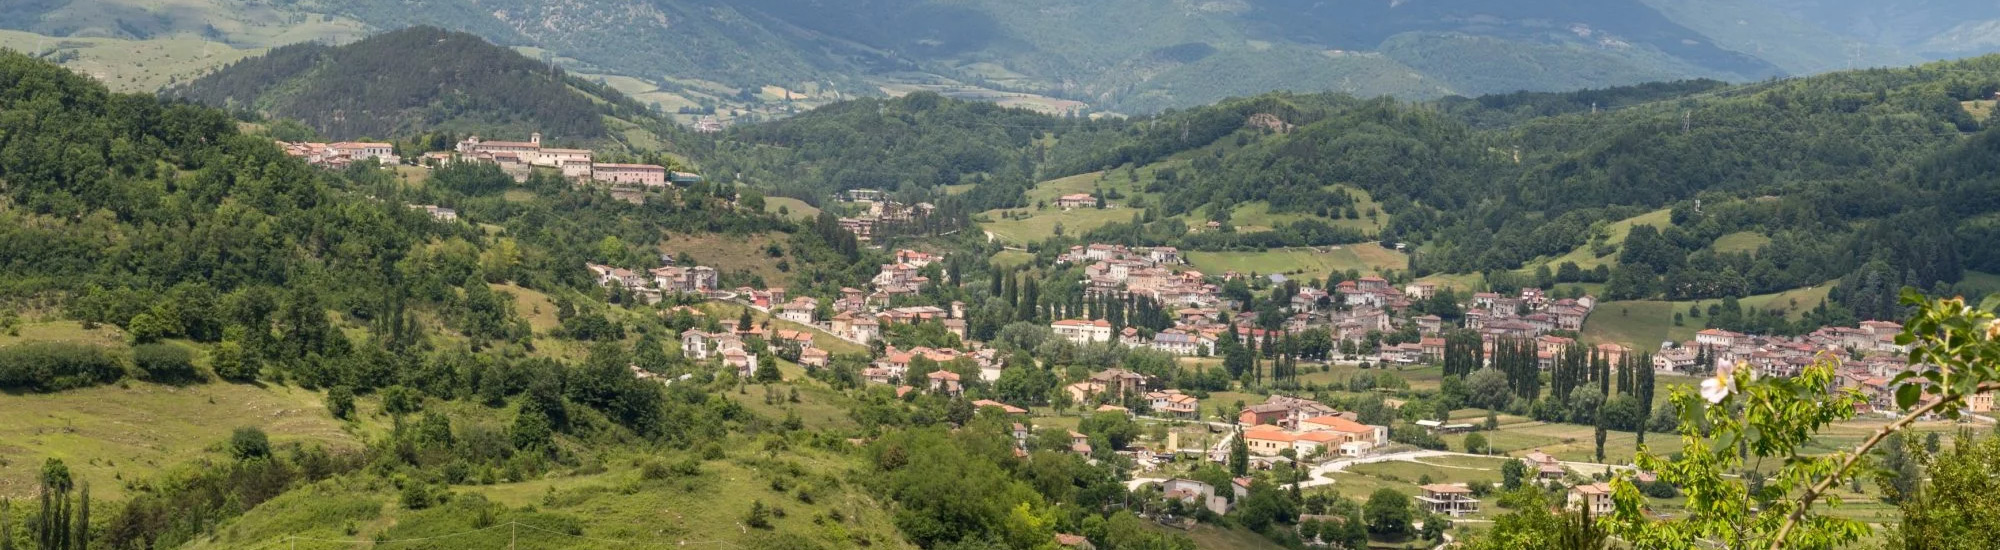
x=1624, y=375
x=81, y=540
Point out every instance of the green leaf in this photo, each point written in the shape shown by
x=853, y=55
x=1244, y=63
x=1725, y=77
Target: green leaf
x=1907, y=395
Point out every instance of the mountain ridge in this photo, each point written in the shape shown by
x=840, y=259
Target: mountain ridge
x=415, y=80
x=1127, y=56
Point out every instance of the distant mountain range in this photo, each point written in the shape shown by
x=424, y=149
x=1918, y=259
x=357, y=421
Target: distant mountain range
x=1115, y=55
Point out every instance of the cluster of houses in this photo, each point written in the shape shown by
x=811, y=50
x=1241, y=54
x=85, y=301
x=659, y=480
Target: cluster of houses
x=338, y=156
x=1868, y=355
x=1120, y=272
x=1528, y=315
x=655, y=284
x=1350, y=310
x=727, y=345
x=880, y=212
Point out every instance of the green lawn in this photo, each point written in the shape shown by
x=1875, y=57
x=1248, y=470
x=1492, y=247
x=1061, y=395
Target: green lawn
x=1008, y=259
x=1414, y=472
x=1367, y=258
x=1741, y=241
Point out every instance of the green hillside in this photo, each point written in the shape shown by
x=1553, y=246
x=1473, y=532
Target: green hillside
x=367, y=88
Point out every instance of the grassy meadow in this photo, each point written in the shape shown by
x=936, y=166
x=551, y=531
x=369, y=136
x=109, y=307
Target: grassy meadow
x=1367, y=258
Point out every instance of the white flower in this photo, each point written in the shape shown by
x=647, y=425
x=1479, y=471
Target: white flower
x=1718, y=388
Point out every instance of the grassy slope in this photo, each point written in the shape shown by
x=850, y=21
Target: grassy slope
x=133, y=65
x=1582, y=255
x=1257, y=216
x=798, y=209
x=1644, y=323
x=1741, y=241
x=615, y=508
x=1042, y=222
x=1365, y=257
x=730, y=253
x=132, y=430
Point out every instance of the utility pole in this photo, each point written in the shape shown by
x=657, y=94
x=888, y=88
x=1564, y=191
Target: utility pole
x=512, y=528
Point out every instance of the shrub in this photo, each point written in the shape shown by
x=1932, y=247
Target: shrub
x=231, y=363
x=399, y=400
x=417, y=496
x=54, y=366
x=759, y=517
x=340, y=402
x=249, y=442
x=165, y=363
x=1659, y=489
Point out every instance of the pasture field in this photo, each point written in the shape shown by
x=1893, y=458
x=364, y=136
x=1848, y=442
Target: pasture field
x=1366, y=258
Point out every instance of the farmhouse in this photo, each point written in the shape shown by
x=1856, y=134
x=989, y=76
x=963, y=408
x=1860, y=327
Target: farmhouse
x=646, y=175
x=1450, y=500
x=1594, y=499
x=1196, y=493
x=799, y=310
x=1076, y=200
x=1173, y=403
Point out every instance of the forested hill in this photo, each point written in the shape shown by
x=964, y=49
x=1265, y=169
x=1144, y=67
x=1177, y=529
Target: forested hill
x=1845, y=175
x=415, y=80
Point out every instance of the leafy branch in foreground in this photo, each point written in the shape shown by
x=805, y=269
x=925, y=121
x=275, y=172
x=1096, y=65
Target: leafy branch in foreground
x=1737, y=419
